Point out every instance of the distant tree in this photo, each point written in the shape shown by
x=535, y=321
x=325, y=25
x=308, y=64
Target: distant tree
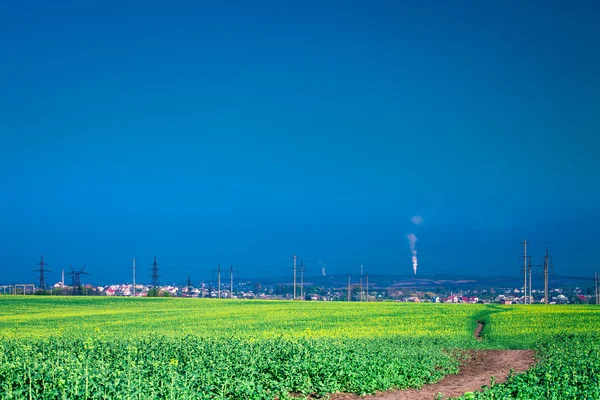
x=153, y=292
x=78, y=291
x=165, y=293
x=355, y=293
x=311, y=290
x=257, y=287
x=281, y=290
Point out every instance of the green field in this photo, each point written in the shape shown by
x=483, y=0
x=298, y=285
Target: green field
x=169, y=348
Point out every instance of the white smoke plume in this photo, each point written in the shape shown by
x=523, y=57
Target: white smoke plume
x=417, y=219
x=323, y=267
x=412, y=240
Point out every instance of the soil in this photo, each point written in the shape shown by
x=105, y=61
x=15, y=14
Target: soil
x=475, y=373
x=478, y=331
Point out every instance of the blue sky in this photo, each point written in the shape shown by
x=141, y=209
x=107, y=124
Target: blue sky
x=239, y=132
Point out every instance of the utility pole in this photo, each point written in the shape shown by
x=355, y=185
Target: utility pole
x=202, y=290
x=154, y=270
x=62, y=281
x=525, y=271
x=596, y=278
x=530, y=283
x=231, y=281
x=361, y=283
x=42, y=264
x=597, y=288
x=348, y=287
x=301, y=279
x=294, y=277
x=361, y=289
x=367, y=286
x=546, y=278
x=133, y=267
x=218, y=281
x=231, y=271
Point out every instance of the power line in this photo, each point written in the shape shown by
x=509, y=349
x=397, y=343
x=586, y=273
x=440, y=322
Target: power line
x=565, y=249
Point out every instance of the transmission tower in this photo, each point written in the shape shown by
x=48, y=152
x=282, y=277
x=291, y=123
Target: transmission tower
x=41, y=270
x=189, y=285
x=76, y=279
x=154, y=270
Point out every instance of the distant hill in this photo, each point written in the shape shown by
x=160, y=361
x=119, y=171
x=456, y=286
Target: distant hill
x=429, y=281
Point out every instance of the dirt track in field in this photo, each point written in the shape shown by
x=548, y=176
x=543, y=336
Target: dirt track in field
x=475, y=373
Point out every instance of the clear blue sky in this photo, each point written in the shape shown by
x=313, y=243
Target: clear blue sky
x=231, y=132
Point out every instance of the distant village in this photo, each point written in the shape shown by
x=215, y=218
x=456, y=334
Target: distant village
x=254, y=290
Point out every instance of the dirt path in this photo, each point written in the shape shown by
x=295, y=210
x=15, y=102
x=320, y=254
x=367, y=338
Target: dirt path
x=473, y=375
x=478, y=330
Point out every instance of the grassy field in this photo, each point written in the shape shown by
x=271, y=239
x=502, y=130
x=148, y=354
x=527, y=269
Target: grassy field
x=168, y=348
x=48, y=316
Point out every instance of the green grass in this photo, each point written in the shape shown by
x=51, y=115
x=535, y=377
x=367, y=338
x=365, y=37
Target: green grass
x=567, y=343
x=47, y=316
x=168, y=348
